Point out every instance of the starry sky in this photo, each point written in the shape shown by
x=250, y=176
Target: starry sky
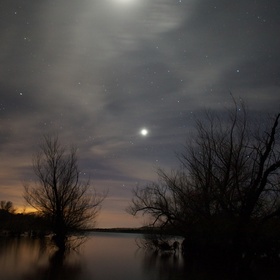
x=97, y=72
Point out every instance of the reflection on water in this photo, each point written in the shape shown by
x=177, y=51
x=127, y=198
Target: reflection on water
x=163, y=266
x=27, y=259
x=103, y=256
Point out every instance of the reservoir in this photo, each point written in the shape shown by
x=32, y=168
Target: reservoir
x=103, y=256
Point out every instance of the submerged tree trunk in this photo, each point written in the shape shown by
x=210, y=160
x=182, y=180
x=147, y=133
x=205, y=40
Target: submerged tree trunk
x=60, y=240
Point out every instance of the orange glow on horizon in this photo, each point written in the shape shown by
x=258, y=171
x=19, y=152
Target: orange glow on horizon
x=105, y=219
x=25, y=210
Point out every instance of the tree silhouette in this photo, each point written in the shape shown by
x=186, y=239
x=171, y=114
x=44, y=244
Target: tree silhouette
x=7, y=206
x=227, y=189
x=59, y=195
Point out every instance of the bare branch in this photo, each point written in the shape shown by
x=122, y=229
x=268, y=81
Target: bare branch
x=59, y=194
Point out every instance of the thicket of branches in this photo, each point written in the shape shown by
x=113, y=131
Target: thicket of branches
x=59, y=195
x=227, y=190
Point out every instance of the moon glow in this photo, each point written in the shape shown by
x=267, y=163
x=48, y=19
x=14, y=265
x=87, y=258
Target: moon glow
x=124, y=1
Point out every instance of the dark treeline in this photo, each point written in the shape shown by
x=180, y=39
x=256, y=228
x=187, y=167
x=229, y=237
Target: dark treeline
x=16, y=224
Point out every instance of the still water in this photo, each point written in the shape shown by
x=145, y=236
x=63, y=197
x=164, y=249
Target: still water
x=103, y=256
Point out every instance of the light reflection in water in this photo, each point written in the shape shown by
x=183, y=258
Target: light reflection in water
x=18, y=255
x=102, y=256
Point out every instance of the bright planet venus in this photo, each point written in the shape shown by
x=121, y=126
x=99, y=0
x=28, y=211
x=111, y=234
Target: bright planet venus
x=144, y=132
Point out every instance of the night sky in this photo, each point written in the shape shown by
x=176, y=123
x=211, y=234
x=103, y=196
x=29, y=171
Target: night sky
x=97, y=72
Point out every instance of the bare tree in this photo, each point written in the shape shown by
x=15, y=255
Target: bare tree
x=228, y=180
x=7, y=206
x=59, y=194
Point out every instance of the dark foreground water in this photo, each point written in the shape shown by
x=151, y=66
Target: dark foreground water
x=107, y=256
x=113, y=256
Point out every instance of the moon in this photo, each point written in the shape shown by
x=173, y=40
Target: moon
x=125, y=4
x=144, y=132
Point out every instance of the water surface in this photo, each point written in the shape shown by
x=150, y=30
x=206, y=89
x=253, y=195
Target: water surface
x=112, y=256
x=103, y=256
